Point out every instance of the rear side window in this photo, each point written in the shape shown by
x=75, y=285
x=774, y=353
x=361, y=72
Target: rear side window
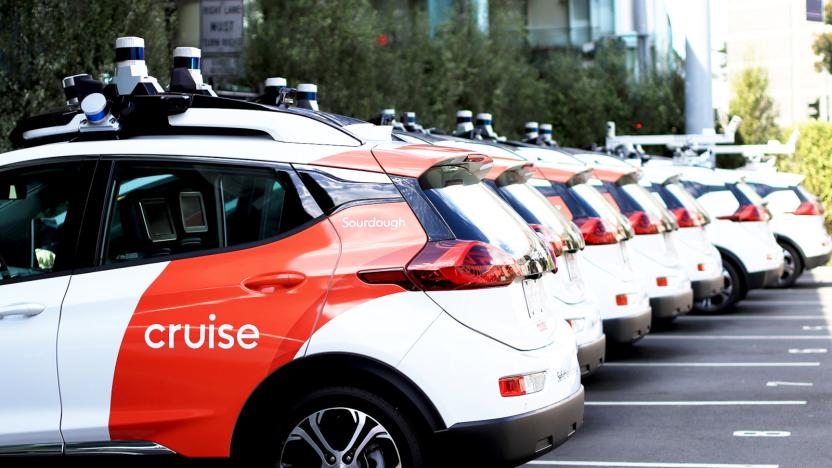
x=474, y=212
x=40, y=212
x=161, y=210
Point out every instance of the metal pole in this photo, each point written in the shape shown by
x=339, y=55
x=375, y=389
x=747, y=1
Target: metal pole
x=699, y=112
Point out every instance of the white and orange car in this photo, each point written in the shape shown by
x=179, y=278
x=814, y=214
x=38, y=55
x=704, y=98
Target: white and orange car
x=214, y=278
x=512, y=177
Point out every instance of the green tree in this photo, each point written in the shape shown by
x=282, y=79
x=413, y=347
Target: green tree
x=812, y=158
x=751, y=101
x=43, y=41
x=823, y=42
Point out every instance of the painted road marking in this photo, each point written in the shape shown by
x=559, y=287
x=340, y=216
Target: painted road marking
x=762, y=433
x=645, y=464
x=814, y=327
x=788, y=384
x=699, y=403
x=711, y=364
x=737, y=337
x=751, y=317
x=807, y=351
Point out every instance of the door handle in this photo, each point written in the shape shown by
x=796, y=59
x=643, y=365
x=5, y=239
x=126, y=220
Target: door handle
x=272, y=282
x=24, y=310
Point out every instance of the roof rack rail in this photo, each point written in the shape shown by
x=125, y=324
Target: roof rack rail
x=137, y=115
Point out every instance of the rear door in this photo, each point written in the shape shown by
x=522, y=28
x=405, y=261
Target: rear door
x=41, y=206
x=207, y=276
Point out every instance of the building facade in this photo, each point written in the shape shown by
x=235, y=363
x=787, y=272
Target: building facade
x=776, y=35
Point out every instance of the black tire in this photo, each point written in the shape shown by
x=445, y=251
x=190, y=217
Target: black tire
x=792, y=266
x=338, y=409
x=733, y=291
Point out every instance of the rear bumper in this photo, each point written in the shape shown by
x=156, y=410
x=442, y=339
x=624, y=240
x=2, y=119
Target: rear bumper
x=628, y=329
x=761, y=279
x=707, y=288
x=513, y=440
x=665, y=307
x=591, y=355
x=820, y=260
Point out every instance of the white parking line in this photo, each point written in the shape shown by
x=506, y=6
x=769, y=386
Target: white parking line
x=807, y=351
x=700, y=403
x=762, y=433
x=788, y=384
x=751, y=317
x=711, y=364
x=736, y=337
x=645, y=464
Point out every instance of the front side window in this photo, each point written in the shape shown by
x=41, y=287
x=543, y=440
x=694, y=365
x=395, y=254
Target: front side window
x=40, y=212
x=161, y=210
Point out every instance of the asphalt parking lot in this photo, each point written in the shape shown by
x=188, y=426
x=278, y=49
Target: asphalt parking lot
x=749, y=388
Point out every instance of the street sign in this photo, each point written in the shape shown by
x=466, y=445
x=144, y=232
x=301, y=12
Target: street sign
x=814, y=10
x=221, y=37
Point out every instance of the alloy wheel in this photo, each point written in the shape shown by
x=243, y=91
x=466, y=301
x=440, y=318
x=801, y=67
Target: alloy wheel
x=340, y=437
x=717, y=302
x=789, y=268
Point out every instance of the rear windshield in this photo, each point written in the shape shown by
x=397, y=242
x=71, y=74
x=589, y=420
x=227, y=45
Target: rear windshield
x=745, y=194
x=697, y=190
x=536, y=209
x=764, y=190
x=803, y=194
x=640, y=197
x=560, y=195
x=599, y=204
x=475, y=212
x=664, y=196
x=685, y=199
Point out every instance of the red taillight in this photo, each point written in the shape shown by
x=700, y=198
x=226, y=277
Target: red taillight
x=552, y=240
x=687, y=218
x=621, y=300
x=456, y=264
x=512, y=386
x=518, y=385
x=596, y=231
x=391, y=276
x=661, y=281
x=747, y=213
x=700, y=267
x=643, y=223
x=809, y=208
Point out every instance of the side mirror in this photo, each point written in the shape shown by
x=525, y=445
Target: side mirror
x=12, y=191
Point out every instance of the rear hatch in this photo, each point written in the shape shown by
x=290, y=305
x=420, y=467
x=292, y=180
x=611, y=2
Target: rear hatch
x=521, y=313
x=482, y=263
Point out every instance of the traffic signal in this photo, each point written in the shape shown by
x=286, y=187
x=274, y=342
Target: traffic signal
x=814, y=109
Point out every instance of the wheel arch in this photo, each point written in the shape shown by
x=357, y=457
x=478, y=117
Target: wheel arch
x=733, y=258
x=331, y=369
x=788, y=240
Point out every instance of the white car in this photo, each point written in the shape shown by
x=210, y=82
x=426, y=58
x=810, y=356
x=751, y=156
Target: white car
x=704, y=264
x=796, y=219
x=739, y=228
x=616, y=284
x=513, y=179
x=207, y=277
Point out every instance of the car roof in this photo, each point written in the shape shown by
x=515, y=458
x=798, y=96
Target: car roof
x=774, y=179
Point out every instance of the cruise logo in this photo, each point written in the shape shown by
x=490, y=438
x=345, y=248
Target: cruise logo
x=158, y=336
